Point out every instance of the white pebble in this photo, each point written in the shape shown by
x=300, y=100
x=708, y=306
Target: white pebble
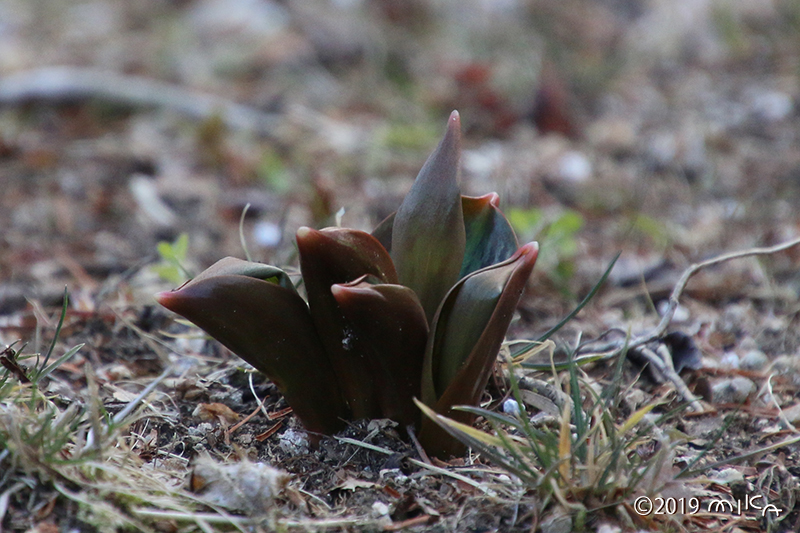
x=575, y=167
x=773, y=106
x=380, y=509
x=732, y=391
x=754, y=360
x=681, y=313
x=267, y=234
x=511, y=407
x=729, y=360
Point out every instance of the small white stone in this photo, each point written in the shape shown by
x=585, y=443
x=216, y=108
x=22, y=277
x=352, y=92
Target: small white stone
x=729, y=360
x=511, y=407
x=792, y=414
x=574, y=167
x=267, y=234
x=732, y=391
x=772, y=106
x=380, y=509
x=681, y=313
x=754, y=360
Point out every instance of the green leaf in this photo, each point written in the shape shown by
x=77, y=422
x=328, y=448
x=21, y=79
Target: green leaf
x=428, y=237
x=489, y=237
x=173, y=255
x=390, y=322
x=269, y=326
x=328, y=257
x=466, y=336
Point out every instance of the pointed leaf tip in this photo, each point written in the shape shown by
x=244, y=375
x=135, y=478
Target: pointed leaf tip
x=163, y=298
x=270, y=327
x=455, y=120
x=428, y=236
x=528, y=249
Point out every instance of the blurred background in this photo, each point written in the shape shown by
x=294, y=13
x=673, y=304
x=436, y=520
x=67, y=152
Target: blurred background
x=666, y=130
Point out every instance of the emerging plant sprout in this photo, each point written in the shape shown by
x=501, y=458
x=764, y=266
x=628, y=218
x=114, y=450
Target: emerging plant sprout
x=417, y=309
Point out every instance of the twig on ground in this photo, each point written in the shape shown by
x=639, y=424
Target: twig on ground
x=65, y=83
x=771, y=395
x=420, y=450
x=680, y=286
x=246, y=419
x=661, y=359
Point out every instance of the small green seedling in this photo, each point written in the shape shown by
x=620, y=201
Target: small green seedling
x=173, y=257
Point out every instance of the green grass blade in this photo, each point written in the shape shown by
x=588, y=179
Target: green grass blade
x=583, y=303
x=577, y=408
x=477, y=440
x=47, y=370
x=38, y=373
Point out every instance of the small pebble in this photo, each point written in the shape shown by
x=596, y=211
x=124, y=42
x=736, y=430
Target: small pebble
x=293, y=442
x=792, y=414
x=729, y=360
x=574, y=167
x=511, y=407
x=732, y=391
x=754, y=360
x=681, y=313
x=267, y=234
x=773, y=106
x=380, y=509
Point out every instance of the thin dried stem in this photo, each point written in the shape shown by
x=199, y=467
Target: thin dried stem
x=661, y=359
x=56, y=84
x=680, y=286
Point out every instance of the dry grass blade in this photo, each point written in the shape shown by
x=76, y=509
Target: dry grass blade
x=741, y=457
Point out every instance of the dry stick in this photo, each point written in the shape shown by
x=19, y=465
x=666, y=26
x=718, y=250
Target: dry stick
x=662, y=360
x=64, y=83
x=691, y=271
x=246, y=419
